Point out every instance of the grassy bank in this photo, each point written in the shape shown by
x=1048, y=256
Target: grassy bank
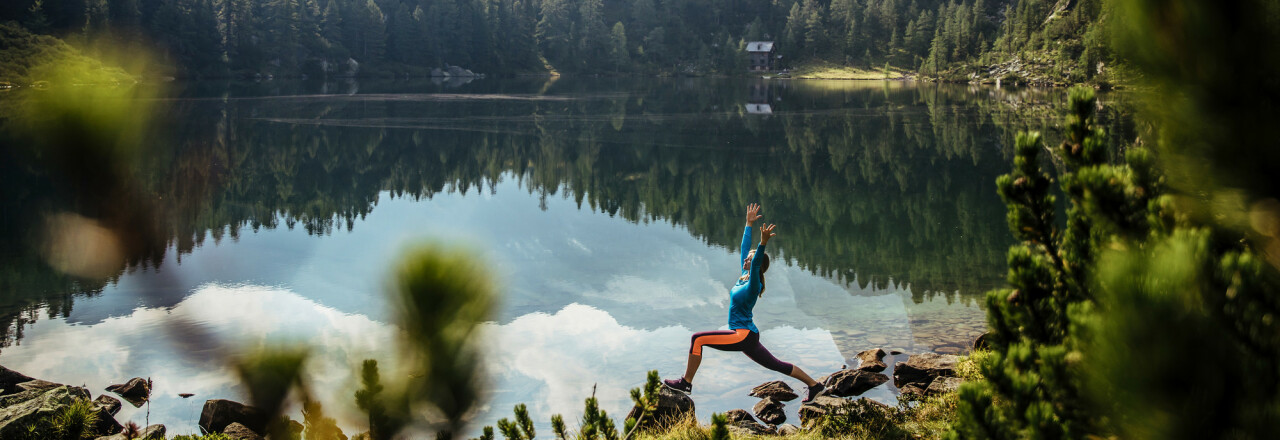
x=826, y=70
x=25, y=60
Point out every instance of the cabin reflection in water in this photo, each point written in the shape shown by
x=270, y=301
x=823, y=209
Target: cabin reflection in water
x=764, y=94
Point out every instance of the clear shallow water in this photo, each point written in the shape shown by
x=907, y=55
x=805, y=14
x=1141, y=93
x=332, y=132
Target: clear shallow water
x=609, y=211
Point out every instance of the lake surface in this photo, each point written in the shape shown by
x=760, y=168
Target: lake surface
x=608, y=210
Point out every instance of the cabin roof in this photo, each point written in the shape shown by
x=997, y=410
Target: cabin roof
x=760, y=46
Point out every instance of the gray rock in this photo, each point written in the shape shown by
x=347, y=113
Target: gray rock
x=107, y=423
x=922, y=368
x=871, y=360
x=744, y=430
x=942, y=385
x=107, y=403
x=738, y=415
x=776, y=390
x=857, y=411
x=37, y=384
x=10, y=379
x=19, y=410
x=788, y=429
x=673, y=406
x=219, y=413
x=153, y=432
x=770, y=411
x=853, y=382
x=811, y=413
x=136, y=391
x=741, y=423
x=240, y=432
x=912, y=388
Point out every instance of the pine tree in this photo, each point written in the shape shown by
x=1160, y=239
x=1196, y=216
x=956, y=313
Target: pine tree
x=331, y=31
x=644, y=16
x=36, y=21
x=593, y=38
x=815, y=32
x=618, y=51
x=371, y=33
x=553, y=30
x=1036, y=385
x=368, y=399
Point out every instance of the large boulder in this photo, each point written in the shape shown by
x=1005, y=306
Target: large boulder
x=853, y=382
x=136, y=391
x=10, y=379
x=942, y=385
x=20, y=410
x=153, y=432
x=811, y=413
x=107, y=407
x=738, y=415
x=237, y=431
x=871, y=360
x=786, y=429
x=219, y=413
x=741, y=423
x=673, y=406
x=922, y=368
x=38, y=385
x=770, y=411
x=110, y=405
x=912, y=388
x=750, y=429
x=776, y=390
x=857, y=411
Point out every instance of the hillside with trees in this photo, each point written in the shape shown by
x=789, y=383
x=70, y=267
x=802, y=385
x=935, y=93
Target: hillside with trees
x=1041, y=41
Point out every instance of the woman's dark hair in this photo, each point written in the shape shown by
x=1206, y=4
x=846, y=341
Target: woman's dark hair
x=764, y=267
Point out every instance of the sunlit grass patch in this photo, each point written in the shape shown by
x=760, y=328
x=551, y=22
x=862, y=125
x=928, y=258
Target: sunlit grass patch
x=826, y=70
x=25, y=58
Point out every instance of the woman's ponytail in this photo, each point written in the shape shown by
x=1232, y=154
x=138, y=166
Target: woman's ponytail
x=764, y=267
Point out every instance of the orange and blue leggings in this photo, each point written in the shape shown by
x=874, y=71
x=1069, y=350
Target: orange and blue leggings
x=743, y=340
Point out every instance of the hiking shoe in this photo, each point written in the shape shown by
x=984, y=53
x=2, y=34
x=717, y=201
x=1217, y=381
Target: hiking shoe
x=679, y=385
x=814, y=391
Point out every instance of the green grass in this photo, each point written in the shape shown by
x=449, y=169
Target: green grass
x=213, y=436
x=73, y=422
x=25, y=58
x=826, y=70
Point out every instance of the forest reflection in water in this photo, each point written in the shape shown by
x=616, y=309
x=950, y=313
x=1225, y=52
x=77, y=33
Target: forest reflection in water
x=883, y=190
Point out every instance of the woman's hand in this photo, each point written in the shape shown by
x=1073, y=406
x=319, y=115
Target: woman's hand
x=766, y=232
x=753, y=213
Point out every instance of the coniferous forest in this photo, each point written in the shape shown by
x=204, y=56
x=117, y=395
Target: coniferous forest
x=950, y=39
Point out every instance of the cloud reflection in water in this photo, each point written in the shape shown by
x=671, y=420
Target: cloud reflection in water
x=549, y=361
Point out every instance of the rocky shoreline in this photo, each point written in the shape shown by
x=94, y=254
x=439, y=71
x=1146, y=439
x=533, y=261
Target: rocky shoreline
x=26, y=404
x=928, y=374
x=26, y=401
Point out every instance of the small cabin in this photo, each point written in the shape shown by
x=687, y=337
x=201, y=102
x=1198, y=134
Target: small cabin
x=760, y=56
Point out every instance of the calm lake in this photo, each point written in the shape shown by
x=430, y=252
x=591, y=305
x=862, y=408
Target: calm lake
x=609, y=210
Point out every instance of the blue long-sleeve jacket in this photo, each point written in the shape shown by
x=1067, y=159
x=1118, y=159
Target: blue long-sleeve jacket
x=742, y=296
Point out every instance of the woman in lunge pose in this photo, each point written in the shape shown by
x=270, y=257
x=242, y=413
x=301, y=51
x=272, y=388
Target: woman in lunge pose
x=742, y=334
